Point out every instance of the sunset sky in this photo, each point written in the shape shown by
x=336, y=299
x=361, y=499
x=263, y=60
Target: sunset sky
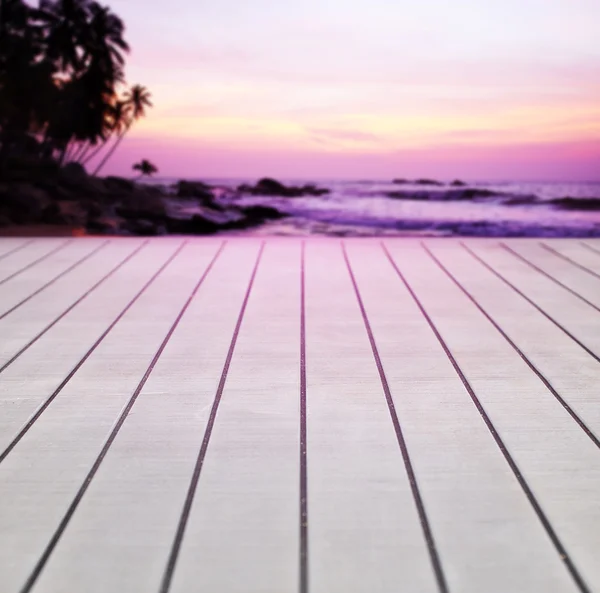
x=505, y=89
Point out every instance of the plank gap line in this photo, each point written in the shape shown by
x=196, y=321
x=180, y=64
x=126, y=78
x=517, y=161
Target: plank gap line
x=57, y=277
x=570, y=260
x=17, y=248
x=412, y=478
x=37, y=261
x=73, y=305
x=590, y=248
x=303, y=431
x=523, y=356
x=41, y=563
x=42, y=408
x=531, y=302
x=187, y=506
x=564, y=556
x=549, y=276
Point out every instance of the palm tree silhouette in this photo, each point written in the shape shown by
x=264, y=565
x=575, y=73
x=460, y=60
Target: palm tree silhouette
x=136, y=99
x=117, y=116
x=145, y=167
x=61, y=70
x=105, y=43
x=67, y=27
x=84, y=43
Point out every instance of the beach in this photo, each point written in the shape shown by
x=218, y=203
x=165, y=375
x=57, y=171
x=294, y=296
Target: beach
x=348, y=208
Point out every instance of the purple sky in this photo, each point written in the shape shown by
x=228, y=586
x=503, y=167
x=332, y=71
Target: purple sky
x=366, y=88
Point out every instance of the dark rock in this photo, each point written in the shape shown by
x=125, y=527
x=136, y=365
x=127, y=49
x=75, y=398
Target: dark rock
x=65, y=213
x=411, y=195
x=439, y=196
x=80, y=185
x=25, y=201
x=313, y=190
x=570, y=203
x=73, y=172
x=253, y=216
x=272, y=187
x=458, y=183
x=194, y=189
x=139, y=206
x=155, y=190
x=224, y=218
x=29, y=169
x=521, y=200
x=262, y=213
x=119, y=184
x=93, y=209
x=197, y=225
x=470, y=194
x=105, y=225
x=428, y=182
x=57, y=191
x=143, y=228
x=4, y=220
x=401, y=181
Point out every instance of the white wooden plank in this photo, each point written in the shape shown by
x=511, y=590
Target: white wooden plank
x=10, y=246
x=40, y=248
x=578, y=253
x=576, y=279
x=566, y=309
x=557, y=459
x=488, y=536
x=243, y=531
x=40, y=370
x=121, y=535
x=24, y=324
x=30, y=281
x=364, y=531
x=569, y=369
x=55, y=455
x=592, y=245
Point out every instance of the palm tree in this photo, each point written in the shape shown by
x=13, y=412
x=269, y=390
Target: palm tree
x=117, y=119
x=145, y=167
x=105, y=42
x=85, y=44
x=22, y=77
x=66, y=23
x=137, y=99
x=61, y=69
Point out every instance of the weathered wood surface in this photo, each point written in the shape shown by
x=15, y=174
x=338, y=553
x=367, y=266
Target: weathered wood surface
x=277, y=415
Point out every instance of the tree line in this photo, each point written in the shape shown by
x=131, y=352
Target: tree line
x=63, y=92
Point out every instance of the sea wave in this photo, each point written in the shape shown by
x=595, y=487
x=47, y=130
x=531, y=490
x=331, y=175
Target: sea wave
x=369, y=208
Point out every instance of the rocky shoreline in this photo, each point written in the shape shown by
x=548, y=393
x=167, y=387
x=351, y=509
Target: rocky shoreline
x=48, y=198
x=69, y=197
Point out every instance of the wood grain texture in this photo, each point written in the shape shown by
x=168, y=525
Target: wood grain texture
x=152, y=399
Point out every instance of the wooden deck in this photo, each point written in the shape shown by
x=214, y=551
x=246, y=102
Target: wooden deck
x=279, y=416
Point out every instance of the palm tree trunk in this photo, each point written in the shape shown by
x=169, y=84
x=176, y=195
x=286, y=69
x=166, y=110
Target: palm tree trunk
x=69, y=151
x=81, y=156
x=110, y=152
x=63, y=152
x=77, y=153
x=94, y=153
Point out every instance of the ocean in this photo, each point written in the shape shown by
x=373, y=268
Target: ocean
x=374, y=208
